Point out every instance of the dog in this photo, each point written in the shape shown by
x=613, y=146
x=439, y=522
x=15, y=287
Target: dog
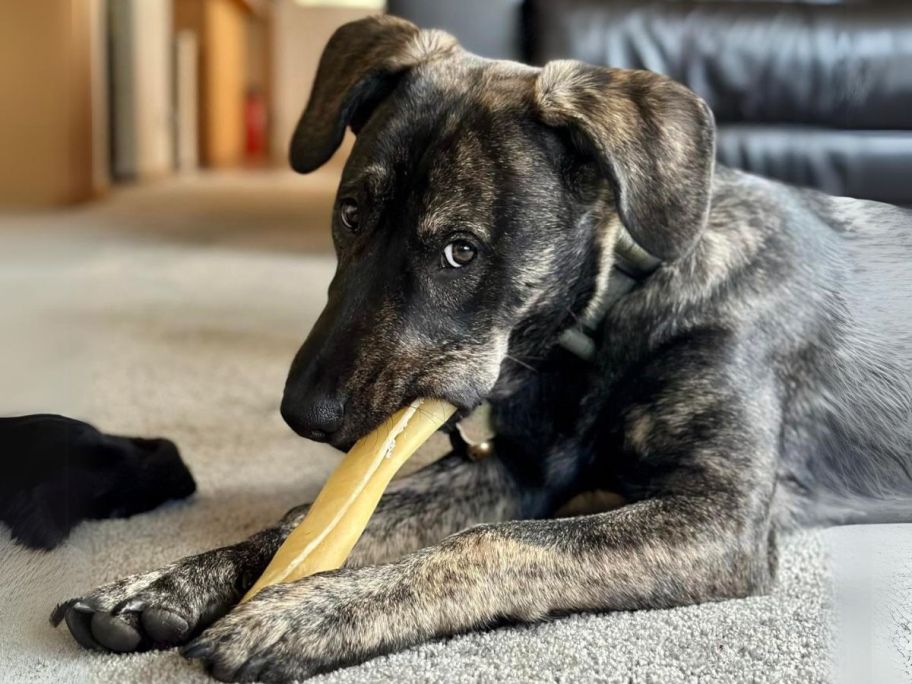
x=730, y=355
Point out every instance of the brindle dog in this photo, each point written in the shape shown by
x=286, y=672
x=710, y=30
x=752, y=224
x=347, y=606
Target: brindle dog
x=757, y=379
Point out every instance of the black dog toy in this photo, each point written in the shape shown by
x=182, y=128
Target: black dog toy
x=56, y=472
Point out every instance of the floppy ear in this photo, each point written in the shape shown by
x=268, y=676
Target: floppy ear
x=358, y=68
x=653, y=139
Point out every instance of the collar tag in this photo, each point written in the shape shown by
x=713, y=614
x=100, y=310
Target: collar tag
x=578, y=343
x=476, y=428
x=474, y=432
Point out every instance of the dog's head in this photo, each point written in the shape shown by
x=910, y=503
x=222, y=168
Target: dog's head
x=477, y=213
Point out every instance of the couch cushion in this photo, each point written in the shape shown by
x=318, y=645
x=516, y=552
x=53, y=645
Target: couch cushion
x=869, y=164
x=843, y=66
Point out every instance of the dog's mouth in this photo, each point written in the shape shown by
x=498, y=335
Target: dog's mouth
x=345, y=441
x=345, y=381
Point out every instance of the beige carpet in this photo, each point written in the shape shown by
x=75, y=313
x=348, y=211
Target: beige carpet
x=138, y=339
x=193, y=343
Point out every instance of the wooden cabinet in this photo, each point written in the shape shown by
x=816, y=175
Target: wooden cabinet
x=49, y=151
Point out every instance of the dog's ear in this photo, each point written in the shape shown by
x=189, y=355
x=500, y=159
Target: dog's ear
x=653, y=139
x=359, y=66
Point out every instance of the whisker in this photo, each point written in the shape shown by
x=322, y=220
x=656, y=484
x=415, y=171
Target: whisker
x=521, y=363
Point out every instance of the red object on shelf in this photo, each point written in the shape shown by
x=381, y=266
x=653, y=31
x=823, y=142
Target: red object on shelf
x=254, y=125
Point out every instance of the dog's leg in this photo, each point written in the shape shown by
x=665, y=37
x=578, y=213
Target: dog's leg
x=658, y=553
x=701, y=532
x=443, y=498
x=168, y=606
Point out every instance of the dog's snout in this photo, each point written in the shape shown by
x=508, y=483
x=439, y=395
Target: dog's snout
x=313, y=416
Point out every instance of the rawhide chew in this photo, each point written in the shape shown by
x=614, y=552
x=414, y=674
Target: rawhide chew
x=338, y=516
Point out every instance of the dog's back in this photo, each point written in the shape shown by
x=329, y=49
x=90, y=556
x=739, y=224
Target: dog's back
x=857, y=413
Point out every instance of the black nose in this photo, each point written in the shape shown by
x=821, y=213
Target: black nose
x=313, y=417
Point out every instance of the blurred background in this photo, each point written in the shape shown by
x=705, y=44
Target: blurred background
x=193, y=101
x=172, y=114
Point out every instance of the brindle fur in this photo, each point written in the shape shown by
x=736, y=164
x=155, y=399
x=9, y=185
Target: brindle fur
x=758, y=380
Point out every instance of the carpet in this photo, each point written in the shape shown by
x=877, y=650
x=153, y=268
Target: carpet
x=193, y=343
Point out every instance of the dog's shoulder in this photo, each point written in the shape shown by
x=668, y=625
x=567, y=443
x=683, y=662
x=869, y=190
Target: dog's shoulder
x=862, y=217
x=749, y=194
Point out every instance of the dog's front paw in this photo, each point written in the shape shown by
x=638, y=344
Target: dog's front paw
x=162, y=608
x=292, y=631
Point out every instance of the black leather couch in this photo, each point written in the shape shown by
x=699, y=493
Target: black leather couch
x=812, y=92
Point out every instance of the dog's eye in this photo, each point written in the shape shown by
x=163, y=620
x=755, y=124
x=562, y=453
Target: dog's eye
x=348, y=212
x=458, y=253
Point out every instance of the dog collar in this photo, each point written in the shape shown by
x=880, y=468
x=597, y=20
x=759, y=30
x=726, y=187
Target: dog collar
x=632, y=264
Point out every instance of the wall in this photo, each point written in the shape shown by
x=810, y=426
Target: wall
x=300, y=34
x=45, y=107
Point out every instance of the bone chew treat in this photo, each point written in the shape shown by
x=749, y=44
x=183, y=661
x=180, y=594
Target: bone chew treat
x=338, y=516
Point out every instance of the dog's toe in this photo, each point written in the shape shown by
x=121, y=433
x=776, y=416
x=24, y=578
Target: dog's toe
x=227, y=659
x=250, y=671
x=119, y=633
x=164, y=627
x=281, y=670
x=222, y=671
x=222, y=666
x=200, y=648
x=79, y=623
x=130, y=626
